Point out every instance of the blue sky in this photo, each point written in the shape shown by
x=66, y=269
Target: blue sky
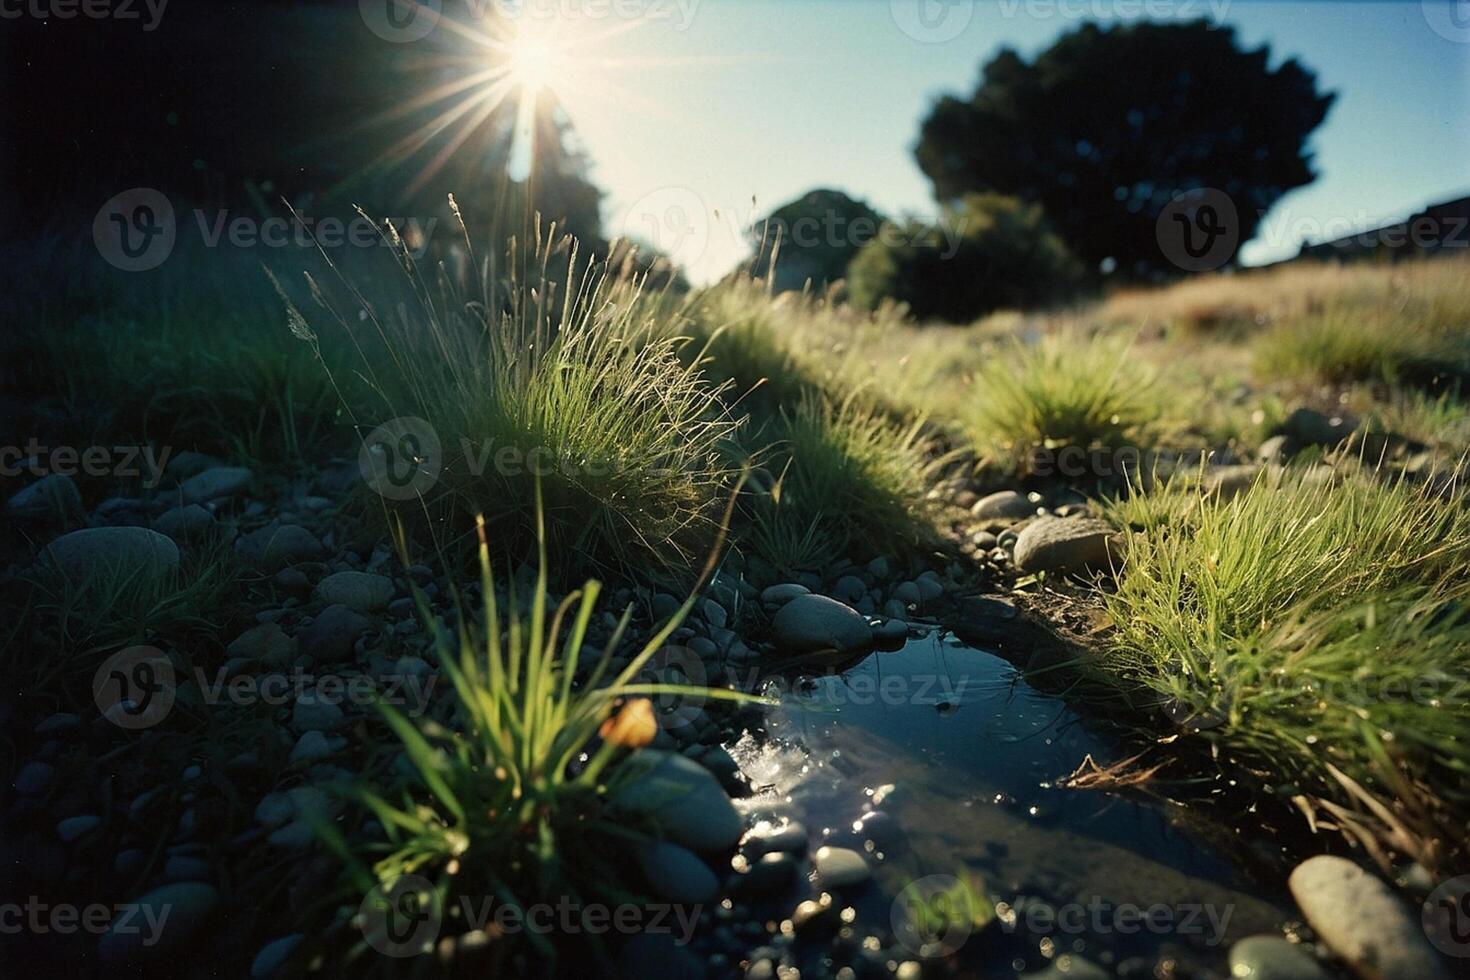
x=765, y=99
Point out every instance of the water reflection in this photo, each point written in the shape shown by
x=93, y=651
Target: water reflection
x=940, y=759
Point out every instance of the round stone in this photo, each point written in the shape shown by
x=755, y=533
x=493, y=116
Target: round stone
x=840, y=867
x=1005, y=505
x=1362, y=921
x=813, y=623
x=1050, y=544
x=360, y=591
x=1273, y=958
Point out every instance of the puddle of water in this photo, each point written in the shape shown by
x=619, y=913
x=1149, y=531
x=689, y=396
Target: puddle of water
x=940, y=759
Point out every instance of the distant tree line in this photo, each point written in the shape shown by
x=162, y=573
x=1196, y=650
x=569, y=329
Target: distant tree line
x=1052, y=175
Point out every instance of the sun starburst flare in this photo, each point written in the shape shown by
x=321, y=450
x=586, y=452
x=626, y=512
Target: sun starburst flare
x=546, y=67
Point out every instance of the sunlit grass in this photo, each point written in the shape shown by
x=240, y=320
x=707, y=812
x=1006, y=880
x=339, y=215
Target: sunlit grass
x=847, y=476
x=753, y=343
x=1440, y=421
x=1347, y=346
x=1063, y=391
x=1429, y=294
x=1308, y=624
x=568, y=371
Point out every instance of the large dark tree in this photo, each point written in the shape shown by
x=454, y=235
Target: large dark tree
x=1107, y=126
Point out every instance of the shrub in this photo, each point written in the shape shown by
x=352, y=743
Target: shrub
x=811, y=239
x=990, y=253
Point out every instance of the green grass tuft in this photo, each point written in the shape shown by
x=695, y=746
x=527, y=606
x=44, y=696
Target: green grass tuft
x=546, y=368
x=744, y=341
x=848, y=474
x=1311, y=624
x=1061, y=392
x=510, y=798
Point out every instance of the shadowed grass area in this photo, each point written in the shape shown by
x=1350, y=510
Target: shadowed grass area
x=193, y=355
x=79, y=620
x=1311, y=626
x=847, y=473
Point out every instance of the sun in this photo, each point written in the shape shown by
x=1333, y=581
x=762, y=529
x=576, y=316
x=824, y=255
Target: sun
x=535, y=66
x=533, y=62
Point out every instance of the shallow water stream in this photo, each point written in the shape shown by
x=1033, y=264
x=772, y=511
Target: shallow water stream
x=939, y=759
